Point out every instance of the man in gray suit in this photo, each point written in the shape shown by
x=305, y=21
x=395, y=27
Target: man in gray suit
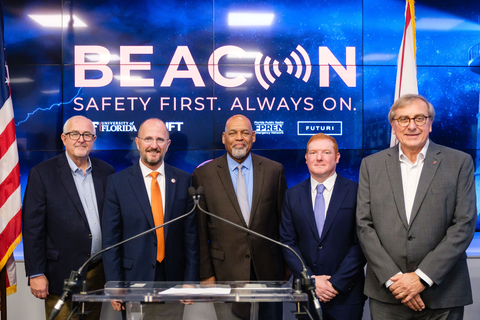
x=416, y=212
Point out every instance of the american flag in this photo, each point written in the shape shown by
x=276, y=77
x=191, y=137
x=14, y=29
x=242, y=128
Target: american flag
x=10, y=197
x=406, y=63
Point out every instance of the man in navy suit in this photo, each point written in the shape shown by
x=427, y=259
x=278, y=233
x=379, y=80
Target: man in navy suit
x=326, y=239
x=62, y=209
x=128, y=212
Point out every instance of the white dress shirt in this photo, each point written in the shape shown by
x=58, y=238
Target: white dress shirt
x=327, y=193
x=148, y=181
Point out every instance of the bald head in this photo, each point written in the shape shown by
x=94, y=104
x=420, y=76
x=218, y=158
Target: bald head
x=76, y=119
x=153, y=141
x=238, y=137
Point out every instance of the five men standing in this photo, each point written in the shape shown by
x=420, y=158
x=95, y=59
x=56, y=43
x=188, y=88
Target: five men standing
x=415, y=217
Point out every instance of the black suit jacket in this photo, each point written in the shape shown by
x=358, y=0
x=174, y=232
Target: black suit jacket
x=227, y=252
x=56, y=235
x=127, y=212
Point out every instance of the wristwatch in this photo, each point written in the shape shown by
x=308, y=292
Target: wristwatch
x=424, y=282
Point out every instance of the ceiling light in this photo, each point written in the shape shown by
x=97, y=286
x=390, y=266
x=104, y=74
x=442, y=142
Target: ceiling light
x=57, y=20
x=250, y=19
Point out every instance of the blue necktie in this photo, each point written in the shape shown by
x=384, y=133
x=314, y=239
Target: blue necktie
x=319, y=209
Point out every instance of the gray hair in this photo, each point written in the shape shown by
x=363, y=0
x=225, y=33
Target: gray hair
x=65, y=126
x=407, y=100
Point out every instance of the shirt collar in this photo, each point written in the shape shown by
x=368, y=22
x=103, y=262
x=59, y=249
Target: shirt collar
x=329, y=183
x=421, y=155
x=146, y=170
x=75, y=168
x=232, y=164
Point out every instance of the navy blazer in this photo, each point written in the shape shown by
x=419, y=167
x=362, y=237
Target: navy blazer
x=127, y=212
x=337, y=253
x=56, y=235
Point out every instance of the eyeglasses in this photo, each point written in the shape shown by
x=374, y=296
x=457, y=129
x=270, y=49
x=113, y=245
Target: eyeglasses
x=76, y=135
x=405, y=121
x=148, y=140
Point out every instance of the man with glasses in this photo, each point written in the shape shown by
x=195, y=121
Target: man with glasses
x=62, y=207
x=416, y=214
x=139, y=198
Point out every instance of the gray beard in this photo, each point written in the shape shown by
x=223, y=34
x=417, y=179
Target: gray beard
x=152, y=163
x=239, y=153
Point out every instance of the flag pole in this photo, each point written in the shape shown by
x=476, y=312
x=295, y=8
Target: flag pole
x=3, y=293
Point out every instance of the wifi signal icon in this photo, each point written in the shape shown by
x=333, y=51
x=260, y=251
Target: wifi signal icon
x=298, y=63
x=266, y=70
x=267, y=67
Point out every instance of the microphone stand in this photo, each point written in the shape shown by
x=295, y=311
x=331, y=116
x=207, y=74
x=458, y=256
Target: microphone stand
x=73, y=282
x=307, y=283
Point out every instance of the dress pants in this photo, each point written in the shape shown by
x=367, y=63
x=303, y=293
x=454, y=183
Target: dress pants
x=95, y=281
x=380, y=310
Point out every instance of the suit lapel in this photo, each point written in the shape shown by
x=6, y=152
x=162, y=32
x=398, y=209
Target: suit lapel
x=430, y=166
x=138, y=186
x=224, y=175
x=258, y=174
x=338, y=195
x=305, y=198
x=395, y=178
x=170, y=190
x=65, y=174
x=98, y=184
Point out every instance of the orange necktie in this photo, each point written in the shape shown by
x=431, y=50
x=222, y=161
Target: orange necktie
x=157, y=210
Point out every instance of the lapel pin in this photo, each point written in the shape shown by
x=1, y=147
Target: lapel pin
x=173, y=180
x=434, y=162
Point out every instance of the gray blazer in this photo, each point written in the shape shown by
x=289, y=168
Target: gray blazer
x=442, y=224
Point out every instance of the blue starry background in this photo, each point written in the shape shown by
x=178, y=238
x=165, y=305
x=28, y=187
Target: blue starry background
x=41, y=64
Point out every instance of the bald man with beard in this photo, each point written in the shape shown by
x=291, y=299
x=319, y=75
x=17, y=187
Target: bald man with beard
x=128, y=211
x=228, y=253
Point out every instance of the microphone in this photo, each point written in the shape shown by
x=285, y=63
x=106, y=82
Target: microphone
x=307, y=283
x=71, y=283
x=67, y=290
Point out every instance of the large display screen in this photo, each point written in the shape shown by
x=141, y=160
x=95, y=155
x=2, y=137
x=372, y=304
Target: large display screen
x=295, y=68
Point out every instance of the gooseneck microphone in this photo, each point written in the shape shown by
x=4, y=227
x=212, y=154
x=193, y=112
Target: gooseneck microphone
x=307, y=283
x=71, y=283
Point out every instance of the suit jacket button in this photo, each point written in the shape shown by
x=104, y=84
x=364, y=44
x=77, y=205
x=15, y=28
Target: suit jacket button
x=88, y=255
x=153, y=266
x=90, y=236
x=410, y=238
x=154, y=244
x=320, y=247
x=247, y=256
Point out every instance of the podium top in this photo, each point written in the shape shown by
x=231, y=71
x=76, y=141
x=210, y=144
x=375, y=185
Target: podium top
x=221, y=291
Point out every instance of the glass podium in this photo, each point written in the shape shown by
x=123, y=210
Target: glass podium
x=138, y=295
